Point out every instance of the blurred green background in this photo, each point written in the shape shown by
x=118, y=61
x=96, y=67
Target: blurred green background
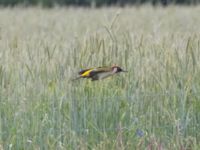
x=94, y=3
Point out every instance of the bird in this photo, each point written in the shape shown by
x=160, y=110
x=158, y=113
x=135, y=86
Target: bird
x=99, y=73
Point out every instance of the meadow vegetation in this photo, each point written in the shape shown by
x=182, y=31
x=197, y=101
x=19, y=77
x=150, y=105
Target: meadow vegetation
x=156, y=105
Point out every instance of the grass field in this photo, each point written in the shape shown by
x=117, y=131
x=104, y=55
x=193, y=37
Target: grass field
x=156, y=105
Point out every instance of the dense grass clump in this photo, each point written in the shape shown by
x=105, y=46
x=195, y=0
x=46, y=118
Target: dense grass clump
x=154, y=106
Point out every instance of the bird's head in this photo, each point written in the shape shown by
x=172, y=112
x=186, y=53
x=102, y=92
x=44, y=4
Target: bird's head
x=117, y=69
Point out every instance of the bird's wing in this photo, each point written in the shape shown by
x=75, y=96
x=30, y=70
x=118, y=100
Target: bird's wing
x=83, y=71
x=86, y=72
x=92, y=71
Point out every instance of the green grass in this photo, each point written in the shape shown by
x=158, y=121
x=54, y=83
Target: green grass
x=153, y=106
